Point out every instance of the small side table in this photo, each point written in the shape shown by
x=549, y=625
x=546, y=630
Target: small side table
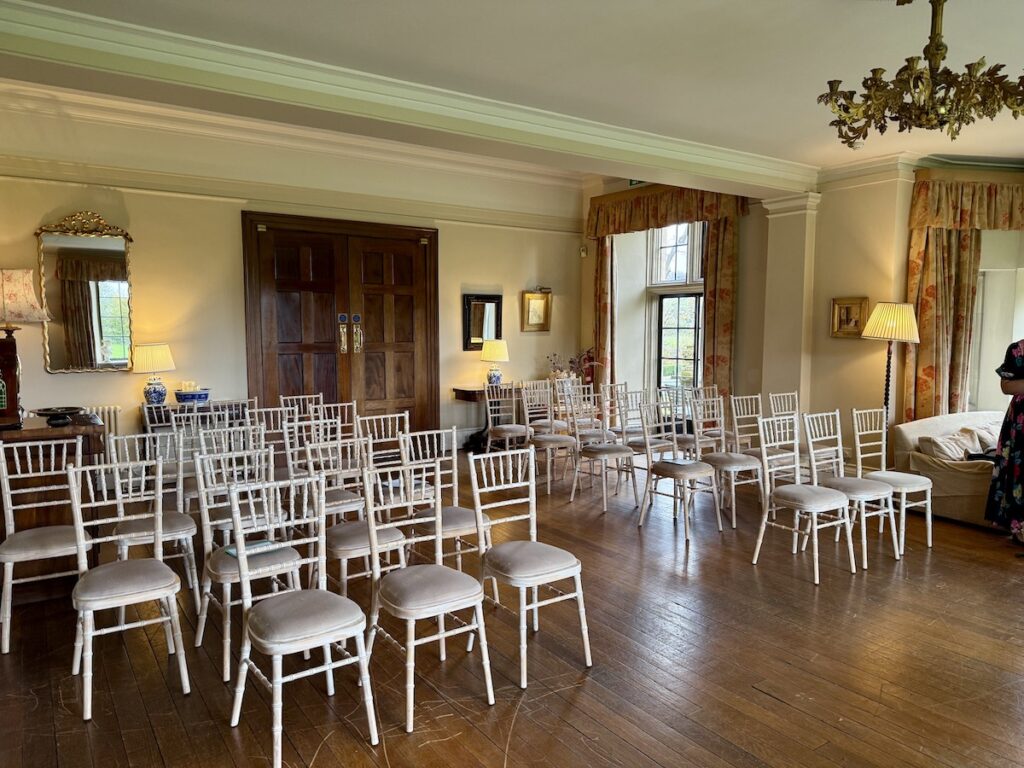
x=478, y=440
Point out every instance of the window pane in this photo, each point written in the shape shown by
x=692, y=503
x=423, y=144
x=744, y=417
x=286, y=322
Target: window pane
x=669, y=343
x=688, y=312
x=670, y=312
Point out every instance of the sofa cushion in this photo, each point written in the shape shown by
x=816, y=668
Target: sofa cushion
x=954, y=447
x=987, y=435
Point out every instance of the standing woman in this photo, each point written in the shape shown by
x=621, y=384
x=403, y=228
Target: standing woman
x=1006, y=495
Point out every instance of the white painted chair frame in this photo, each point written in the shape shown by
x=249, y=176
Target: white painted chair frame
x=596, y=447
x=298, y=433
x=784, y=403
x=549, y=437
x=344, y=413
x=381, y=433
x=502, y=405
x=290, y=514
x=303, y=404
x=508, y=481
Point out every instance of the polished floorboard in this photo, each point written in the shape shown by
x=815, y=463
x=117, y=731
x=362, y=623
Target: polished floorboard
x=700, y=659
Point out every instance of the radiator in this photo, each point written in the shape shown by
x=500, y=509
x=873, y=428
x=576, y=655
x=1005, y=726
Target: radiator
x=110, y=415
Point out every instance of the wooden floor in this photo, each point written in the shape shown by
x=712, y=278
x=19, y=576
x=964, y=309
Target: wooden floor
x=700, y=659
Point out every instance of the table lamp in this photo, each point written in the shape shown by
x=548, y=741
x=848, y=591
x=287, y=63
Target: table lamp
x=17, y=305
x=891, y=321
x=153, y=359
x=494, y=351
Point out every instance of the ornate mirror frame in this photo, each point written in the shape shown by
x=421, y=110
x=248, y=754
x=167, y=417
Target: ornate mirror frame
x=84, y=224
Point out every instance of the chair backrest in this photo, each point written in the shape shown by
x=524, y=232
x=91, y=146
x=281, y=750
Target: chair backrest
x=610, y=394
x=563, y=388
x=217, y=472
x=105, y=495
x=501, y=481
x=659, y=428
x=381, y=433
x=779, y=437
x=190, y=423
x=148, y=446
x=538, y=404
x=627, y=407
x=157, y=418
x=341, y=462
x=542, y=384
x=34, y=474
x=501, y=404
x=679, y=401
x=784, y=403
x=272, y=515
x=586, y=415
x=435, y=445
x=745, y=411
x=869, y=439
x=708, y=423
x=273, y=420
x=343, y=413
x=405, y=488
x=232, y=439
x=236, y=412
x=298, y=433
x=824, y=435
x=302, y=404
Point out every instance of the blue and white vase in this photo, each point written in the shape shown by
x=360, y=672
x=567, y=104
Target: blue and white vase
x=494, y=375
x=154, y=393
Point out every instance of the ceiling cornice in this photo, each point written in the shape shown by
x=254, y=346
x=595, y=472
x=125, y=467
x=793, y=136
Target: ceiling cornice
x=876, y=170
x=80, y=40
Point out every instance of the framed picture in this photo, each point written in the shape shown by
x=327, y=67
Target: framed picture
x=535, y=312
x=849, y=316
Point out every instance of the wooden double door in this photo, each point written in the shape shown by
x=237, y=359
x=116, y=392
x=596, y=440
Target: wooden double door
x=345, y=308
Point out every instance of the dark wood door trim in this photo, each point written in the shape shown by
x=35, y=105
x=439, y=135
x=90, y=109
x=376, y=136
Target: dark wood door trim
x=252, y=221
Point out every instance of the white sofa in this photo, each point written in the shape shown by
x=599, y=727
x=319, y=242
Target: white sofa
x=959, y=488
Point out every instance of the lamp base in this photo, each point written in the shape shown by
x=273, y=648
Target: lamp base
x=154, y=393
x=494, y=375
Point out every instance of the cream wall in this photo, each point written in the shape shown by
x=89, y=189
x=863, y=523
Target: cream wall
x=1002, y=315
x=748, y=352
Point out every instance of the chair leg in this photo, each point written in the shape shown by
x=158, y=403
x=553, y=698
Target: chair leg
x=862, y=510
x=484, y=658
x=410, y=673
x=536, y=611
x=718, y=507
x=522, y=637
x=343, y=577
x=277, y=705
x=632, y=477
x=204, y=610
x=225, y=628
x=87, y=631
x=5, y=608
x=648, y=498
x=760, y=531
x=687, y=500
x=193, y=573
x=329, y=674
x=732, y=497
x=165, y=611
x=441, y=644
x=179, y=644
x=903, y=522
x=76, y=661
x=848, y=528
x=364, y=681
x=927, y=516
x=243, y=673
x=796, y=530
x=814, y=544
x=892, y=527
x=548, y=454
x=575, y=479
x=584, y=632
x=604, y=485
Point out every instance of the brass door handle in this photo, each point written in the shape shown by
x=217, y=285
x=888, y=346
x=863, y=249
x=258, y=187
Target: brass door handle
x=357, y=334
x=342, y=334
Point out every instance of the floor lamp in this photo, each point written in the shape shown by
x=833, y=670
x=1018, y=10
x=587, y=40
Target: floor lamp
x=891, y=321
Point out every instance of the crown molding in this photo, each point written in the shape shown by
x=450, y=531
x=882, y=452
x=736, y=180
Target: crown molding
x=792, y=205
x=278, y=197
x=876, y=170
x=65, y=37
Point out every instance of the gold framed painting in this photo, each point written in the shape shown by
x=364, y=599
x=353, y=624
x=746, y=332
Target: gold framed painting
x=535, y=311
x=849, y=314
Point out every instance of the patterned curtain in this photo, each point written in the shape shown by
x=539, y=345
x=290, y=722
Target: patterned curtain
x=79, y=336
x=652, y=207
x=720, y=249
x=946, y=219
x=604, y=313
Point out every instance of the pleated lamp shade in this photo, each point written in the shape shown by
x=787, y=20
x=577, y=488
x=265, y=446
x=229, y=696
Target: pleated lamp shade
x=152, y=358
x=892, y=321
x=494, y=351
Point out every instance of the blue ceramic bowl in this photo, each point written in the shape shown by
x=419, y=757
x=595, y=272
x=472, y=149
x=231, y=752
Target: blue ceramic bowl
x=196, y=396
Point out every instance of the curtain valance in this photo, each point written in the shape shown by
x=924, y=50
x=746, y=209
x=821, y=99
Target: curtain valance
x=656, y=206
x=91, y=269
x=967, y=205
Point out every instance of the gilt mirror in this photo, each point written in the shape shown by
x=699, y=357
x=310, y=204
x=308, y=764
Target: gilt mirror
x=85, y=282
x=481, y=319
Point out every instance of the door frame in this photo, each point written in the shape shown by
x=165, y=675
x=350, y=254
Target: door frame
x=252, y=221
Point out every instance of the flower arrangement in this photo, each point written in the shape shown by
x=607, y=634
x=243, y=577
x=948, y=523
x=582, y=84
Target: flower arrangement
x=581, y=364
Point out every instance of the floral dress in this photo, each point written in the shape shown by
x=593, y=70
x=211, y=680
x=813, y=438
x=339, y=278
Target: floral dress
x=1006, y=495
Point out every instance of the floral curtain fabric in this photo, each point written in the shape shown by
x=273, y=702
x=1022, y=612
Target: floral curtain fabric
x=720, y=249
x=604, y=314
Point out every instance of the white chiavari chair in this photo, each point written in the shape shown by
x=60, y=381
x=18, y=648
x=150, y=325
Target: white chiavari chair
x=503, y=424
x=236, y=412
x=596, y=447
x=870, y=433
x=341, y=463
x=302, y=404
x=288, y=516
x=505, y=492
x=33, y=481
x=815, y=508
x=273, y=420
x=301, y=432
x=868, y=498
x=784, y=403
x=106, y=500
x=157, y=417
x=178, y=527
x=216, y=474
x=232, y=439
x=537, y=399
x=381, y=433
x=744, y=411
x=188, y=425
x=344, y=413
x=665, y=462
x=709, y=419
x=548, y=436
x=429, y=590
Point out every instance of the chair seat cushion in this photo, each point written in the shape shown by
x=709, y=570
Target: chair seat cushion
x=809, y=498
x=550, y=440
x=427, y=590
x=39, y=543
x=308, y=618
x=530, y=561
x=901, y=481
x=507, y=430
x=606, y=451
x=682, y=469
x=342, y=497
x=176, y=525
x=858, y=488
x=352, y=539
x=691, y=440
x=656, y=444
x=731, y=462
x=552, y=424
x=125, y=582
x=222, y=566
x=596, y=435
x=774, y=454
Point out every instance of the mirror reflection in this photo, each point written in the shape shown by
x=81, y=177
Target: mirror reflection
x=86, y=289
x=481, y=319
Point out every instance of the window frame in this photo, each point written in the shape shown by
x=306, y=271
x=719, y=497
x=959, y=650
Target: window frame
x=98, y=326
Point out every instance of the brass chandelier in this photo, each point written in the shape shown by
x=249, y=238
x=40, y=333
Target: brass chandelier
x=924, y=94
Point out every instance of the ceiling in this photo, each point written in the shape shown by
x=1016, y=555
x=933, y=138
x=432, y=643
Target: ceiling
x=737, y=74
